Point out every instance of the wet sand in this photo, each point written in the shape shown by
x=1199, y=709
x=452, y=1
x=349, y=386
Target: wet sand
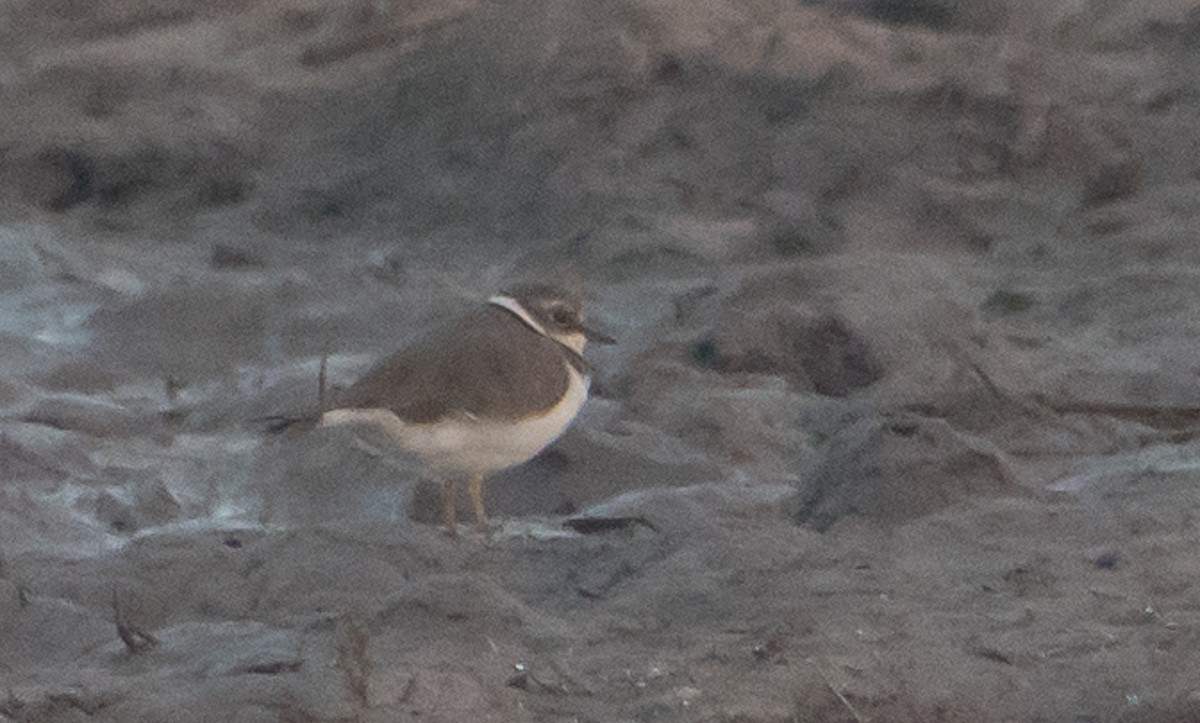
x=903, y=424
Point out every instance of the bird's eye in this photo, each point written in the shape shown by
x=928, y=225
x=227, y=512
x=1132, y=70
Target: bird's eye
x=563, y=316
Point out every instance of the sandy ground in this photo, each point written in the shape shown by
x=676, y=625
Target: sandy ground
x=903, y=424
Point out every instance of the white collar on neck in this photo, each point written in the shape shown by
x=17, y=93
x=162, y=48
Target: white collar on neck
x=508, y=302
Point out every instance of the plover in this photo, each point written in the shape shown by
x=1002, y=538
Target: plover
x=481, y=395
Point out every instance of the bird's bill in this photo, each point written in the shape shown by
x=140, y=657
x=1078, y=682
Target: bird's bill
x=597, y=337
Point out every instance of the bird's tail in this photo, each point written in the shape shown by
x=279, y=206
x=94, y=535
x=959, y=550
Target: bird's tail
x=279, y=423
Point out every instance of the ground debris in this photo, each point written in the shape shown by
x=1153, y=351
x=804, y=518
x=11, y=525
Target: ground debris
x=136, y=640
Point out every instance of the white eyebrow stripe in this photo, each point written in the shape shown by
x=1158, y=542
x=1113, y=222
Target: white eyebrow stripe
x=508, y=302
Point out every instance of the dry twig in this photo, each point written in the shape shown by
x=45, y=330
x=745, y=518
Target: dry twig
x=136, y=640
x=352, y=659
x=838, y=693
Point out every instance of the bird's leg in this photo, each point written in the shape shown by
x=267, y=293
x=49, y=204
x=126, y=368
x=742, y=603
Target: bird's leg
x=476, y=489
x=450, y=505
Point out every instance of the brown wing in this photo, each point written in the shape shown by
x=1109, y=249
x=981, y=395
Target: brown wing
x=481, y=366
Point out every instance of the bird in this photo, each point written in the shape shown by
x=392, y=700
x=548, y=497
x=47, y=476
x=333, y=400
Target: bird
x=481, y=395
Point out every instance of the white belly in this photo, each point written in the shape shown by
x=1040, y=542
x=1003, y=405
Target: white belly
x=470, y=445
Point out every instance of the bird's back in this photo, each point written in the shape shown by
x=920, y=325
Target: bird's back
x=478, y=368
